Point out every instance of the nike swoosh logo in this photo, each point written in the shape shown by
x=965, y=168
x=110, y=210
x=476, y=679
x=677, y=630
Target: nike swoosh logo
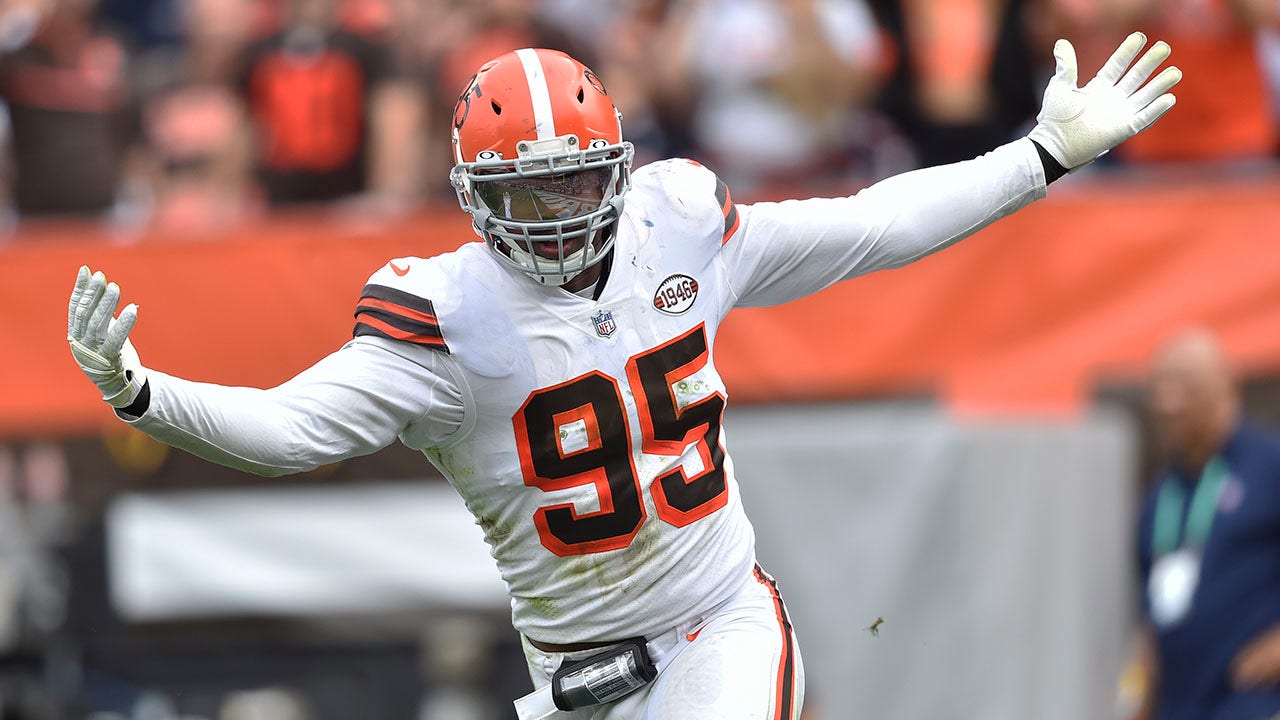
x=694, y=635
x=398, y=270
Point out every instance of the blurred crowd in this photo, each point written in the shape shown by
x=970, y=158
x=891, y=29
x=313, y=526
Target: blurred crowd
x=199, y=114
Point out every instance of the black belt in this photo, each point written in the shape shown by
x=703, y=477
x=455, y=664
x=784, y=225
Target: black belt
x=570, y=647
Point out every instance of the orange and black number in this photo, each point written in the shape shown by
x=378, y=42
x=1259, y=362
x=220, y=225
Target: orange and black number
x=592, y=402
x=590, y=409
x=670, y=428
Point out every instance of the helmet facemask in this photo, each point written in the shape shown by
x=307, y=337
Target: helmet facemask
x=547, y=211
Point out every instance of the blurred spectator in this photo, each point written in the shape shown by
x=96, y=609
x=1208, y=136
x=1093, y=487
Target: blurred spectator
x=964, y=78
x=36, y=523
x=332, y=117
x=1224, y=105
x=193, y=119
x=593, y=24
x=481, y=30
x=70, y=103
x=776, y=85
x=149, y=23
x=1209, y=546
x=640, y=52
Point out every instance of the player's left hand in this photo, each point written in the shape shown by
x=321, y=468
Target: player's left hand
x=1257, y=666
x=1078, y=124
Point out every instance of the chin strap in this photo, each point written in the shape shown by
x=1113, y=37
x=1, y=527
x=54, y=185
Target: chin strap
x=607, y=267
x=527, y=263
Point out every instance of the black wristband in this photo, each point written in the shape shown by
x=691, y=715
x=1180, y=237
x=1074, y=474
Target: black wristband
x=138, y=407
x=1052, y=168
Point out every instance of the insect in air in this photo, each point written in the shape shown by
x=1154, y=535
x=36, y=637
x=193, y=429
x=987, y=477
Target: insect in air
x=874, y=628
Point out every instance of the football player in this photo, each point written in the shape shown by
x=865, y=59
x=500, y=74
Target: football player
x=560, y=373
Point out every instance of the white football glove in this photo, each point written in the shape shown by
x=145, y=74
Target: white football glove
x=100, y=342
x=1076, y=125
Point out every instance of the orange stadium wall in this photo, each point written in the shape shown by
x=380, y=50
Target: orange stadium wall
x=1025, y=317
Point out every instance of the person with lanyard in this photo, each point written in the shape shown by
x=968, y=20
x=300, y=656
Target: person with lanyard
x=1209, y=546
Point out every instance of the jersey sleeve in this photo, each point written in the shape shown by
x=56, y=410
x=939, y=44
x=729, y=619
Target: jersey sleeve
x=353, y=402
x=786, y=250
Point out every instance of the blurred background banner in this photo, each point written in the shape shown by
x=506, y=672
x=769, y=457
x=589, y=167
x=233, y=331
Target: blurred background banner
x=958, y=447
x=993, y=553
x=378, y=548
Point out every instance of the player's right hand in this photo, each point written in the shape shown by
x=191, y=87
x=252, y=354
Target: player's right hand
x=100, y=341
x=1077, y=124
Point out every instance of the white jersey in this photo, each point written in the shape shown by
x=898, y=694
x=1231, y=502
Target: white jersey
x=585, y=434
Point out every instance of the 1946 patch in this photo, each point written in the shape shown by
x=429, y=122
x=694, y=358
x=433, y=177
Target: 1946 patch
x=676, y=294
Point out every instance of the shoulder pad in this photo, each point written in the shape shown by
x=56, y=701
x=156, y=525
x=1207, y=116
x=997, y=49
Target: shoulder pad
x=692, y=191
x=389, y=307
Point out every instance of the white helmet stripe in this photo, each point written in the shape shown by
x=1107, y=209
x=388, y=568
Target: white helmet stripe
x=538, y=92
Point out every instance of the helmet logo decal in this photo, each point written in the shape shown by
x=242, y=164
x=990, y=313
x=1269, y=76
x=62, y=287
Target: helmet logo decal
x=594, y=82
x=463, y=108
x=488, y=155
x=676, y=294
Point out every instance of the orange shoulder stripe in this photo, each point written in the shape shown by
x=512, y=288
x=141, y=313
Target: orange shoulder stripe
x=396, y=333
x=397, y=309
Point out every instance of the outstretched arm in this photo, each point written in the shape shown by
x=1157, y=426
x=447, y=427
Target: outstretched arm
x=353, y=402
x=790, y=249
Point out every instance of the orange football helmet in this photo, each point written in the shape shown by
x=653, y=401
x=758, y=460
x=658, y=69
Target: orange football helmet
x=541, y=164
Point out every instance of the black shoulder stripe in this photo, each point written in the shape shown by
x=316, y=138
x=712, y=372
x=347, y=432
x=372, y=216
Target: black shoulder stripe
x=728, y=209
x=399, y=297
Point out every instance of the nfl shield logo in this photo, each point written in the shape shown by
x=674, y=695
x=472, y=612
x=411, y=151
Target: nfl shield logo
x=604, y=323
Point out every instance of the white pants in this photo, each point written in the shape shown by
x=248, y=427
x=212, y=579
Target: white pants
x=739, y=662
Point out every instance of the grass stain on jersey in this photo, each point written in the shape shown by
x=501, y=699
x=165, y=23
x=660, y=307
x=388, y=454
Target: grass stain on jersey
x=584, y=569
x=578, y=567
x=447, y=465
x=494, y=529
x=544, y=606
x=639, y=553
x=601, y=571
x=597, y=569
